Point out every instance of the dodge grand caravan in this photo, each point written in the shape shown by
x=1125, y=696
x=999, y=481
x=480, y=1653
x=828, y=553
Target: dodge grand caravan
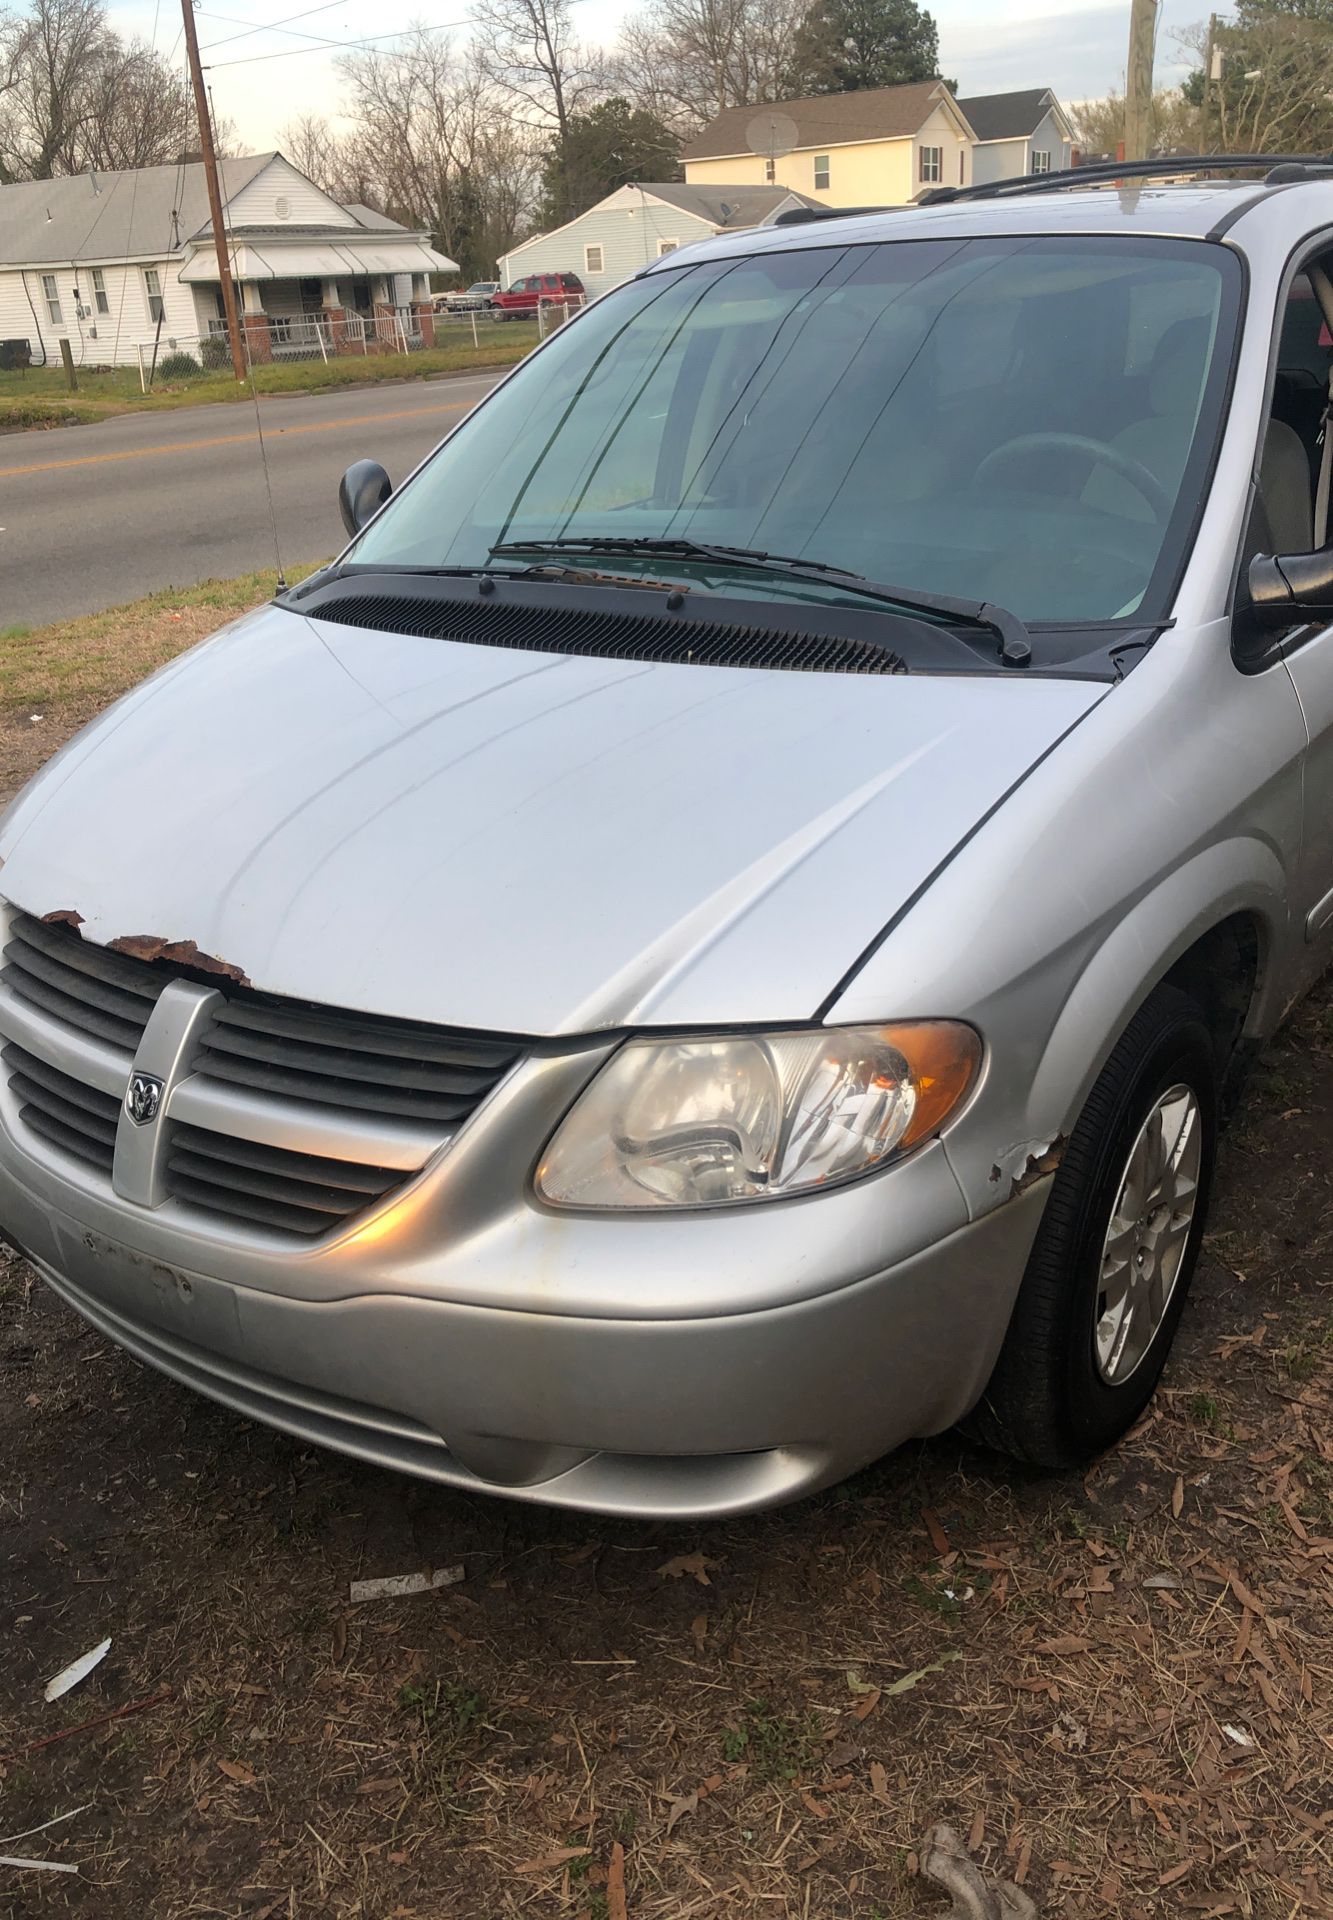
x=715, y=937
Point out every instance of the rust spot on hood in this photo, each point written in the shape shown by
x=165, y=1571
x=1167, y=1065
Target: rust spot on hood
x=62, y=917
x=177, y=953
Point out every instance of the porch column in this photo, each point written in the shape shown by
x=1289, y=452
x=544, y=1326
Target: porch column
x=335, y=314
x=254, y=324
x=386, y=330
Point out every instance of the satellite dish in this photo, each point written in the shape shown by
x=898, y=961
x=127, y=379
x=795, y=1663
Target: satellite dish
x=772, y=134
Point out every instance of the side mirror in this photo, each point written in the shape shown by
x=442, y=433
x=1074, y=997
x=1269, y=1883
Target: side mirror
x=362, y=491
x=1287, y=588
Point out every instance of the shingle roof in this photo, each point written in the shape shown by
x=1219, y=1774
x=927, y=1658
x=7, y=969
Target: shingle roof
x=368, y=217
x=826, y=119
x=122, y=215
x=1007, y=116
x=727, y=208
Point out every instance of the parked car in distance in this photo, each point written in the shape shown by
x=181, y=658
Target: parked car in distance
x=537, y=290
x=467, y=299
x=718, y=935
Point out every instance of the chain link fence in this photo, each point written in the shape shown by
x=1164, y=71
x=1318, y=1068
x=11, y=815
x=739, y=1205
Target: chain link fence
x=273, y=339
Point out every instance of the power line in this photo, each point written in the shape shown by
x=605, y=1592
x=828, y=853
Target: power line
x=291, y=53
x=320, y=39
x=269, y=26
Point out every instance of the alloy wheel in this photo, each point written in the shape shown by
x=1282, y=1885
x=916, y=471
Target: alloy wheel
x=1144, y=1247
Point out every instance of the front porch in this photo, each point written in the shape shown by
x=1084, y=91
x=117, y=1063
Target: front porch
x=301, y=319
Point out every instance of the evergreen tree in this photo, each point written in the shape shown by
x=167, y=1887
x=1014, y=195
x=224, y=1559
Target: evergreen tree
x=846, y=45
x=602, y=149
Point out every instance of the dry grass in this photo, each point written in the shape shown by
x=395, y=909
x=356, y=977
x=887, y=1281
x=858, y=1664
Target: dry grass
x=40, y=397
x=1124, y=1680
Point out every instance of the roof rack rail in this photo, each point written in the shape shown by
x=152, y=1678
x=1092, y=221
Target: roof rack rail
x=1280, y=169
x=797, y=216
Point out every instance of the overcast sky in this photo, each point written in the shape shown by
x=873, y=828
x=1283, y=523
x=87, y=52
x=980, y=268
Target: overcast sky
x=1075, y=46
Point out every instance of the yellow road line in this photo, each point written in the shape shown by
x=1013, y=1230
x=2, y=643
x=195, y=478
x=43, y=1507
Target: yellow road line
x=227, y=439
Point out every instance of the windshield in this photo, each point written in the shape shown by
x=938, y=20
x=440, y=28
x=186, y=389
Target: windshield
x=1029, y=422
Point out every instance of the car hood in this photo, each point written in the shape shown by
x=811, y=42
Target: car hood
x=523, y=842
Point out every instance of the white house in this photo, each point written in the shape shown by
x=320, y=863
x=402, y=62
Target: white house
x=639, y=223
x=1025, y=132
x=113, y=261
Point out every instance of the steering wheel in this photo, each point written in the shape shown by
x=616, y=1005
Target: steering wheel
x=1100, y=451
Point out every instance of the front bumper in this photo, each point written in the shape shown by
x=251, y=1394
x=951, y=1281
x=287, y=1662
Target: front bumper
x=674, y=1412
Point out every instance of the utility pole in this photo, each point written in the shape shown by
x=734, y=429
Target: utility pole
x=214, y=191
x=1212, y=74
x=1138, y=78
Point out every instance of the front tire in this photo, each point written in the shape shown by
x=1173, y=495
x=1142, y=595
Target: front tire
x=1109, y=1272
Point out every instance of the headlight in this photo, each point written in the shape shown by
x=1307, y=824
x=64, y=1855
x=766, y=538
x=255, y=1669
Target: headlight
x=707, y=1122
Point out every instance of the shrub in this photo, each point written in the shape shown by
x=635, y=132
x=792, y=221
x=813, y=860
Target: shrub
x=215, y=352
x=177, y=366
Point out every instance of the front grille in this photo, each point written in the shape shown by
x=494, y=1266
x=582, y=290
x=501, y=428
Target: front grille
x=301, y=1193
x=393, y=1090
x=80, y=986
x=686, y=639
x=80, y=1120
x=351, y=1061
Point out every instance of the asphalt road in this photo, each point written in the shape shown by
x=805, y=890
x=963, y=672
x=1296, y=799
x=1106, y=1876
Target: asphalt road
x=93, y=516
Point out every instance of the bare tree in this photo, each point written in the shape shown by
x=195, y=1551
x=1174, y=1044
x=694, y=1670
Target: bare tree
x=1274, y=95
x=685, y=60
x=450, y=154
x=530, y=53
x=140, y=112
x=75, y=95
x=1174, y=126
x=47, y=104
x=341, y=163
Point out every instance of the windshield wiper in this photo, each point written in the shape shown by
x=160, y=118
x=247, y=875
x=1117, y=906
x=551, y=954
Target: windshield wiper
x=1014, y=639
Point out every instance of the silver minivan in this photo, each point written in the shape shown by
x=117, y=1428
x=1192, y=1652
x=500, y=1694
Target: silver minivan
x=717, y=935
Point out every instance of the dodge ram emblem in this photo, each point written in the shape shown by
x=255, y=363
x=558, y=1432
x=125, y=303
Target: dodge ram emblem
x=143, y=1097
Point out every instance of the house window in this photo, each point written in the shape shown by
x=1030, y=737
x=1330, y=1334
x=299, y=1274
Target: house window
x=666, y=246
x=100, y=300
x=770, y=172
x=932, y=164
x=51, y=294
x=153, y=288
x=1041, y=163
x=821, y=173
x=594, y=260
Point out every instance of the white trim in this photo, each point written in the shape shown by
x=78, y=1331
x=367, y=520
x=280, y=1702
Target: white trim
x=599, y=248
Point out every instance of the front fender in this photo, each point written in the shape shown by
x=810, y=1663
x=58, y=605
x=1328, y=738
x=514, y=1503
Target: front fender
x=1091, y=1005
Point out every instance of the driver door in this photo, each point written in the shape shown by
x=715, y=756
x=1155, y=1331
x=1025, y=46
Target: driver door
x=1289, y=476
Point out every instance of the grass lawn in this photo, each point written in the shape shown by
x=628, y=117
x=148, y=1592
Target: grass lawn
x=40, y=398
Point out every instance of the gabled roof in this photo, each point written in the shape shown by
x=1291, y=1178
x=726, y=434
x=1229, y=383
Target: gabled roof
x=828, y=119
x=1008, y=116
x=109, y=216
x=726, y=208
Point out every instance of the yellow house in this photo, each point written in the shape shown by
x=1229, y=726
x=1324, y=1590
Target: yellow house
x=880, y=147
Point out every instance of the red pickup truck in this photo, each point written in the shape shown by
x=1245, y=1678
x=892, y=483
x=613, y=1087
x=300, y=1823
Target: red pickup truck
x=537, y=290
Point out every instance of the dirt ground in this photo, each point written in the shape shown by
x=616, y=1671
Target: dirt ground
x=1118, y=1687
